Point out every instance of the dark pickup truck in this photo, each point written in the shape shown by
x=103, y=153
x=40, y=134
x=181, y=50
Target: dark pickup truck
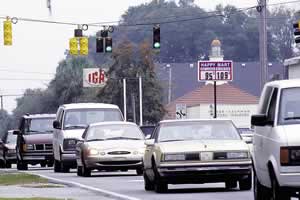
x=34, y=141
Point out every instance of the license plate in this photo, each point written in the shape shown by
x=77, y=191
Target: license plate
x=120, y=158
x=206, y=156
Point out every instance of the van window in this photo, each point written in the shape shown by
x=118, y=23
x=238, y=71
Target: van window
x=81, y=118
x=272, y=107
x=265, y=100
x=289, y=106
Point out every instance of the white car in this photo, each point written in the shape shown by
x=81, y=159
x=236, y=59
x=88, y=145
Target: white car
x=110, y=146
x=196, y=151
x=71, y=121
x=276, y=141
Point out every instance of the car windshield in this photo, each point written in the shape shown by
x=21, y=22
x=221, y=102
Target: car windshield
x=114, y=132
x=11, y=139
x=198, y=130
x=289, y=112
x=39, y=125
x=81, y=118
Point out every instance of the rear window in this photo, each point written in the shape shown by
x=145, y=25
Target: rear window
x=39, y=125
x=200, y=130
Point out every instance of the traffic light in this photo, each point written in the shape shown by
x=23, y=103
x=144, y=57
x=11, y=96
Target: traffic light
x=73, y=45
x=156, y=37
x=7, y=29
x=108, y=45
x=99, y=45
x=297, y=32
x=84, y=45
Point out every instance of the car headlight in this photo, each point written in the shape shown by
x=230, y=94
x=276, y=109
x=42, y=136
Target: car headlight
x=237, y=155
x=173, y=157
x=28, y=147
x=11, y=151
x=70, y=144
x=93, y=152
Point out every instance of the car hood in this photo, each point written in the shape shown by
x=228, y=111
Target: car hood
x=203, y=145
x=39, y=138
x=73, y=134
x=292, y=134
x=114, y=145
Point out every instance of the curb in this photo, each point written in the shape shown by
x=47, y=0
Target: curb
x=104, y=193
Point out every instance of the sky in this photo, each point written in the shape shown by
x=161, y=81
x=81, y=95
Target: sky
x=37, y=48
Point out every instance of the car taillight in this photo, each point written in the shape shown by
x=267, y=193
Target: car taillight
x=284, y=156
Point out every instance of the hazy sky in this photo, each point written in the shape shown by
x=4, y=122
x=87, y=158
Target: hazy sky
x=39, y=47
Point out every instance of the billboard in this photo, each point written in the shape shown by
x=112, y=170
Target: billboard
x=215, y=70
x=94, y=77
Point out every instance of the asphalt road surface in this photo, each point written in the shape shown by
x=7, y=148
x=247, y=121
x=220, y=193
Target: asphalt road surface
x=132, y=186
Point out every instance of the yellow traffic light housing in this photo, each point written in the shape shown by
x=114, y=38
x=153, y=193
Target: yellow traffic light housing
x=73, y=45
x=7, y=32
x=84, y=45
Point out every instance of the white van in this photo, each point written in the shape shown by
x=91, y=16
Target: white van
x=71, y=121
x=276, y=141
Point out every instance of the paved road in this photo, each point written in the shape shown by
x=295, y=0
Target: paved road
x=127, y=183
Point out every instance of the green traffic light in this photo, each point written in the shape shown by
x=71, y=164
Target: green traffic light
x=108, y=49
x=156, y=45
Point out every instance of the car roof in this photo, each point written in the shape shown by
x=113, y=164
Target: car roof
x=38, y=116
x=191, y=120
x=285, y=83
x=88, y=105
x=112, y=123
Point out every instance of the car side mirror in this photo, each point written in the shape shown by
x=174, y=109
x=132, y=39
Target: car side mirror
x=149, y=142
x=248, y=139
x=56, y=124
x=16, y=132
x=260, y=120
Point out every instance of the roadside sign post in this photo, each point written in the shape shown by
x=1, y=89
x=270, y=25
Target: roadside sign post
x=215, y=71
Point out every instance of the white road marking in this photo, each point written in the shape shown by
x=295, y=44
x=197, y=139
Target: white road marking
x=104, y=192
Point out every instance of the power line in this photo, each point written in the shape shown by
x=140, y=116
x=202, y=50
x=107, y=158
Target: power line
x=23, y=79
x=25, y=72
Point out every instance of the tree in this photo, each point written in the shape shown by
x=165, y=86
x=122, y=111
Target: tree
x=129, y=63
x=5, y=122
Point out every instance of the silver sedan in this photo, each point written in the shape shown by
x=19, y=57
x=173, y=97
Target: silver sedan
x=110, y=146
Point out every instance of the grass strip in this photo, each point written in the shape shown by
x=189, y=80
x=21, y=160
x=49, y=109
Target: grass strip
x=20, y=179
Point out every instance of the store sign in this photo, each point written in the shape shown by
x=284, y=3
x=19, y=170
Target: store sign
x=215, y=70
x=94, y=77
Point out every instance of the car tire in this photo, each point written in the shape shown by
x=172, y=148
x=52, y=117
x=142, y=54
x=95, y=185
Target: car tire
x=79, y=171
x=139, y=171
x=8, y=165
x=160, y=186
x=149, y=186
x=43, y=164
x=64, y=167
x=21, y=165
x=230, y=184
x=86, y=172
x=260, y=192
x=57, y=166
x=2, y=164
x=246, y=184
x=278, y=193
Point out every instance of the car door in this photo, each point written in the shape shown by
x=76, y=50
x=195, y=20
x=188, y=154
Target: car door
x=264, y=140
x=56, y=135
x=149, y=152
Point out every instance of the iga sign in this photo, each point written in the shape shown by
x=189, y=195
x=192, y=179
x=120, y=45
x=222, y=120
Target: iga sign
x=215, y=70
x=94, y=77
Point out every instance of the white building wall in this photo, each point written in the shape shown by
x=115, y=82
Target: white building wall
x=294, y=71
x=240, y=114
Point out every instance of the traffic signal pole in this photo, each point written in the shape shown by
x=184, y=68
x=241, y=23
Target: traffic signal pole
x=263, y=50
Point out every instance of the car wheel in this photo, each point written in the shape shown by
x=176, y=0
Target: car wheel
x=260, y=192
x=50, y=164
x=64, y=167
x=276, y=192
x=7, y=165
x=21, y=165
x=230, y=184
x=160, y=186
x=147, y=183
x=86, y=172
x=246, y=184
x=79, y=171
x=2, y=164
x=139, y=171
x=57, y=166
x=43, y=164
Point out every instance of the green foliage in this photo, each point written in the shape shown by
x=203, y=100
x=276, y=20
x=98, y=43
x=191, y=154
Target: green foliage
x=5, y=122
x=20, y=178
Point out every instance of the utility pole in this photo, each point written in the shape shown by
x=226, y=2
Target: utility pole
x=124, y=99
x=1, y=102
x=141, y=99
x=263, y=48
x=170, y=84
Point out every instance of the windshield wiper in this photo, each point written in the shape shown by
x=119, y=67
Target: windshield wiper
x=93, y=140
x=129, y=138
x=171, y=140
x=122, y=138
x=74, y=126
x=291, y=118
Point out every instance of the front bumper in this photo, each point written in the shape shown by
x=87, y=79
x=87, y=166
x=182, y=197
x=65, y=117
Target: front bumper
x=205, y=173
x=11, y=157
x=114, y=162
x=36, y=157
